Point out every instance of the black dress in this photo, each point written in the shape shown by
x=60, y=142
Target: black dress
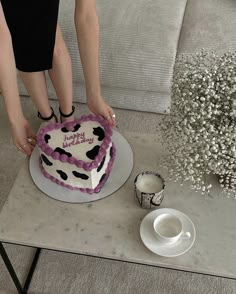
x=32, y=25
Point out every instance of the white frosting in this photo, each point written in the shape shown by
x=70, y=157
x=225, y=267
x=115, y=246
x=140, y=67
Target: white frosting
x=149, y=183
x=83, y=140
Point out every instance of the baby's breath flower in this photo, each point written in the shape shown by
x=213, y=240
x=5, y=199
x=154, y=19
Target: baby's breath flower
x=200, y=132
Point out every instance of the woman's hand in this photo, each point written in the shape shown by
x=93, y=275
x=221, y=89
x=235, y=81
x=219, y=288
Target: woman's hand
x=23, y=137
x=98, y=106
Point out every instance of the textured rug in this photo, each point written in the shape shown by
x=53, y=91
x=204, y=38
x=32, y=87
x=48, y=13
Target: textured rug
x=63, y=273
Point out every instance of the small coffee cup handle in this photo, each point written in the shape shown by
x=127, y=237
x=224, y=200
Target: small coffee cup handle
x=186, y=235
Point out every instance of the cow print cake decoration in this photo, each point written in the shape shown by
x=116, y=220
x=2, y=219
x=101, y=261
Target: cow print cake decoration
x=99, y=132
x=45, y=160
x=62, y=151
x=101, y=164
x=78, y=155
x=62, y=174
x=93, y=153
x=47, y=138
x=66, y=130
x=79, y=175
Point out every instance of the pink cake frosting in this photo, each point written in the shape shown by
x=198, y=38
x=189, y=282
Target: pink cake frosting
x=71, y=160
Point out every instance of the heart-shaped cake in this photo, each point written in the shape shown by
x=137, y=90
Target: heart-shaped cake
x=77, y=155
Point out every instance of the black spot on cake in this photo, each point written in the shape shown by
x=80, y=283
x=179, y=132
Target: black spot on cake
x=101, y=164
x=47, y=137
x=64, y=130
x=91, y=154
x=76, y=128
x=46, y=160
x=99, y=132
x=62, y=151
x=79, y=175
x=111, y=151
x=62, y=174
x=102, y=178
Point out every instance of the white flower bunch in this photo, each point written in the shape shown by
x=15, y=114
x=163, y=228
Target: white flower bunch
x=200, y=132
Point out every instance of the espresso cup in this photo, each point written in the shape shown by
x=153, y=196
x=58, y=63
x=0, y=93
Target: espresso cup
x=168, y=228
x=149, y=189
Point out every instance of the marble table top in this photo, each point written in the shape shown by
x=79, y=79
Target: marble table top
x=109, y=227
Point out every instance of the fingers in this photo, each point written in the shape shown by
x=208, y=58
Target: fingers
x=31, y=134
x=27, y=149
x=111, y=117
x=99, y=106
x=32, y=141
x=27, y=146
x=31, y=138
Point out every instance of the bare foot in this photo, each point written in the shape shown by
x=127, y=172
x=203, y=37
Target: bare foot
x=67, y=119
x=48, y=119
x=48, y=122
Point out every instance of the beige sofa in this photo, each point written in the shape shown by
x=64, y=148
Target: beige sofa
x=139, y=42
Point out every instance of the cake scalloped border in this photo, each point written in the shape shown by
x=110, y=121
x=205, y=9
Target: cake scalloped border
x=97, y=189
x=87, y=166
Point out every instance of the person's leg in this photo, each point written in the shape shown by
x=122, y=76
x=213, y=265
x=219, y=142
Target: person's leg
x=61, y=75
x=35, y=84
x=33, y=38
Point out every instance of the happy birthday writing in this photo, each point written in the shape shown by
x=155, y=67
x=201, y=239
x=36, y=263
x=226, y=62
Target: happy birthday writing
x=75, y=139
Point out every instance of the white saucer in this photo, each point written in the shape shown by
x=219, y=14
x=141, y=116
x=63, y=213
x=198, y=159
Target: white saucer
x=167, y=250
x=121, y=170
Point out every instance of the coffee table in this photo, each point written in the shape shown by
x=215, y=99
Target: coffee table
x=109, y=228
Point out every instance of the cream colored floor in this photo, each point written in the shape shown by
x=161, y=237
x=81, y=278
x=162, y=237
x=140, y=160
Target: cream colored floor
x=63, y=273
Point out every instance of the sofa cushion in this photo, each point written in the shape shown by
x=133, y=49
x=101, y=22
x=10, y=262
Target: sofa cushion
x=209, y=24
x=138, y=41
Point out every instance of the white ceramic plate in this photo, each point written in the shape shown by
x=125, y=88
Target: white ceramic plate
x=168, y=250
x=121, y=170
